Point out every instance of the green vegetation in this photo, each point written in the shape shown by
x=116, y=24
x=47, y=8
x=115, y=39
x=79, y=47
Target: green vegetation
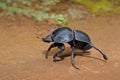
x=100, y=6
x=40, y=9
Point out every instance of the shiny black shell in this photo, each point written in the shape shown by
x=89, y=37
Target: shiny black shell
x=62, y=35
x=81, y=36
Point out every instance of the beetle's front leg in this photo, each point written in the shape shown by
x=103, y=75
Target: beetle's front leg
x=51, y=46
x=62, y=48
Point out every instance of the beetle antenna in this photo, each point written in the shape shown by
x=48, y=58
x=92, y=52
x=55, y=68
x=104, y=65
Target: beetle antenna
x=104, y=56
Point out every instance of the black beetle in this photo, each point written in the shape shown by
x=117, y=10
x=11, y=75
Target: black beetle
x=75, y=38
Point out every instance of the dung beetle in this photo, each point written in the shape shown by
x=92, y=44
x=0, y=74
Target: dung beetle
x=75, y=38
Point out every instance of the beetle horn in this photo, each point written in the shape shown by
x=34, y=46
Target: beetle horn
x=104, y=56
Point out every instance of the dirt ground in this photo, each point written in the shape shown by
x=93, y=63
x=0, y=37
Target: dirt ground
x=22, y=54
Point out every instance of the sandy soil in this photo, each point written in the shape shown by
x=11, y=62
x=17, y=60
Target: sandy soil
x=22, y=53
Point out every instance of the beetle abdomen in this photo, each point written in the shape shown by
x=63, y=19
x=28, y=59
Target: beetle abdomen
x=79, y=44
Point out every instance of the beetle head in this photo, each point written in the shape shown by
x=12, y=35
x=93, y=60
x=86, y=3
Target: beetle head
x=47, y=39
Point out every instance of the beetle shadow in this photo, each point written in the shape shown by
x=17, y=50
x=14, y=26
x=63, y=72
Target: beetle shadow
x=67, y=53
x=83, y=54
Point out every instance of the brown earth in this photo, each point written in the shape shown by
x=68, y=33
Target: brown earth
x=22, y=54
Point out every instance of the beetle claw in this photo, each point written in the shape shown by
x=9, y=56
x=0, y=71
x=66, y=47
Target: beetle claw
x=75, y=66
x=105, y=57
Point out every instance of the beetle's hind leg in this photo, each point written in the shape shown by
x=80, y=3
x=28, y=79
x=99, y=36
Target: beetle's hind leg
x=104, y=55
x=62, y=48
x=88, y=46
x=51, y=46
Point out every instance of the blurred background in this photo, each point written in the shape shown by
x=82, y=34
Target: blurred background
x=59, y=10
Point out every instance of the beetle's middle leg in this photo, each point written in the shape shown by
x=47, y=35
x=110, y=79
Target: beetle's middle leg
x=72, y=57
x=62, y=48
